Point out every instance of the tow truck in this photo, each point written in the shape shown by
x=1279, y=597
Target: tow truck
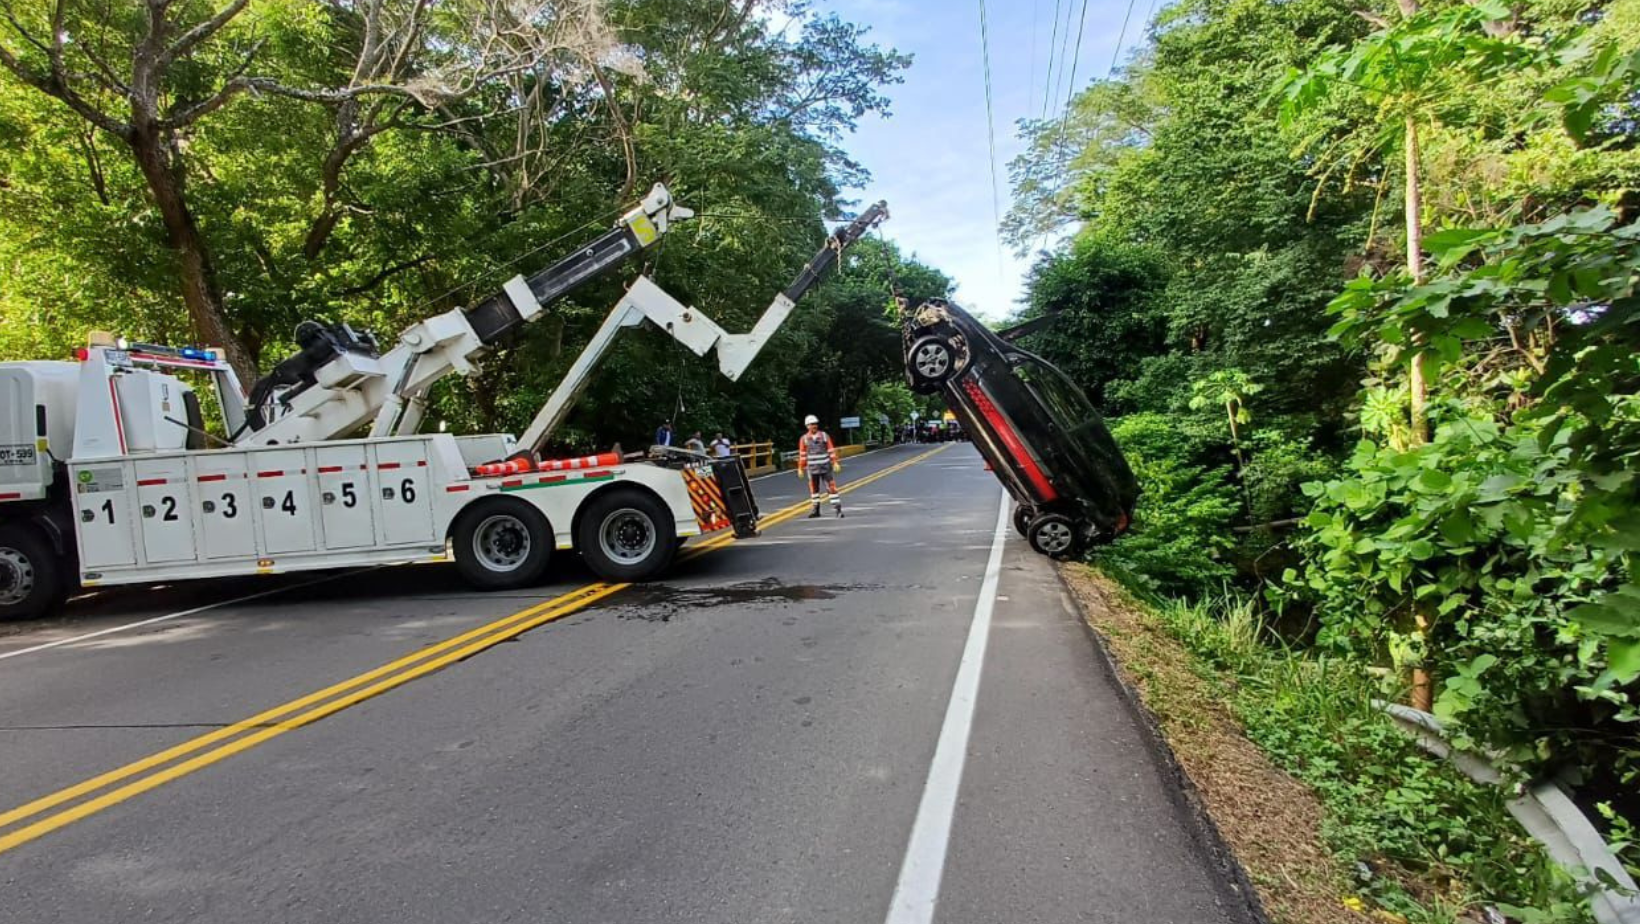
x=106, y=477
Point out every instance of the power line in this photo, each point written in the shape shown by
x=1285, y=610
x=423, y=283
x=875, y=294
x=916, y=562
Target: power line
x=1065, y=116
x=1070, y=88
x=1053, y=40
x=1065, y=41
x=991, y=132
x=1117, y=54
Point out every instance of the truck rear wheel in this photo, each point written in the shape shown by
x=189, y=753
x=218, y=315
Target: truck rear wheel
x=626, y=535
x=31, y=574
x=502, y=543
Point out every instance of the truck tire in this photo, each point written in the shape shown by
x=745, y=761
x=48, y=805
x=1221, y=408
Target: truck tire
x=626, y=535
x=31, y=574
x=501, y=543
x=931, y=361
x=1053, y=535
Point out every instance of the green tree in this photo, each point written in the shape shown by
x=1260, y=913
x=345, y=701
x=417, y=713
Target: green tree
x=145, y=77
x=379, y=203
x=1407, y=74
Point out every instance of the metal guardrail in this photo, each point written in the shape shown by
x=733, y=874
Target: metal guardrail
x=1547, y=812
x=857, y=449
x=755, y=455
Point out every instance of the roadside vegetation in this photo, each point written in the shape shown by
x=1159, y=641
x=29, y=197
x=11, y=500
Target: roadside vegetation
x=1357, y=285
x=216, y=172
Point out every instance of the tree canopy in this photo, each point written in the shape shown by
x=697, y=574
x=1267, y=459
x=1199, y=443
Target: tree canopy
x=1359, y=285
x=192, y=171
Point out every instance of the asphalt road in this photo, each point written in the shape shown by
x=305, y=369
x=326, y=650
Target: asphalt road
x=799, y=727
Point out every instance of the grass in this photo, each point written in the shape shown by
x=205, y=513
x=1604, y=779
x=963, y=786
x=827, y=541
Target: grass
x=1394, y=835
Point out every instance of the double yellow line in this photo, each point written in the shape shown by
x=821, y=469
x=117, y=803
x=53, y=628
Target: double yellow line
x=229, y=740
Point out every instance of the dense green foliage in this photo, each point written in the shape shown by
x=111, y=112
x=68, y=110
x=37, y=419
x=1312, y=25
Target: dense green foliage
x=1359, y=288
x=1388, y=808
x=379, y=189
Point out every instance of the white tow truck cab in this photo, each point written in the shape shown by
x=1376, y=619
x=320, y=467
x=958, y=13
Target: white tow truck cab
x=105, y=476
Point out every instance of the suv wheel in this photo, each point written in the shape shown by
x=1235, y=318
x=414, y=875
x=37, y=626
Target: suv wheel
x=931, y=361
x=1022, y=520
x=1053, y=535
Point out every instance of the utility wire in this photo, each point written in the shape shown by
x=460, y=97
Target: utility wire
x=1117, y=54
x=1053, y=40
x=1064, y=44
x=991, y=134
x=1070, y=87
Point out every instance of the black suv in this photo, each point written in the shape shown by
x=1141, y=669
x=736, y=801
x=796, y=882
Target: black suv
x=1036, y=429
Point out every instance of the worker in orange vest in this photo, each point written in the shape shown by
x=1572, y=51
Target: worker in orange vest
x=817, y=460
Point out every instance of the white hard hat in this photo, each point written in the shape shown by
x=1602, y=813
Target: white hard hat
x=811, y=419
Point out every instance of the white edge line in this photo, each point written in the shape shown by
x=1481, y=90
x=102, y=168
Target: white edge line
x=918, y=888
x=177, y=615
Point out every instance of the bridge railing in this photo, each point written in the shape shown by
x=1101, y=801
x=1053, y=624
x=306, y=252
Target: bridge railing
x=757, y=457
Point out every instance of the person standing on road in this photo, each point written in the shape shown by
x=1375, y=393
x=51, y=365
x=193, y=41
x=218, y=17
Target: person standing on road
x=721, y=447
x=817, y=460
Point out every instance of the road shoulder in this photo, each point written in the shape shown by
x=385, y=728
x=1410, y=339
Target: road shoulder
x=1263, y=825
x=1066, y=812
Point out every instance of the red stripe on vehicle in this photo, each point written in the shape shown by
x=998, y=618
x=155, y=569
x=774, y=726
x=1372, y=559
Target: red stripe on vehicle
x=453, y=488
x=149, y=482
x=387, y=466
x=551, y=479
x=119, y=420
x=329, y=469
x=273, y=474
x=1010, y=440
x=512, y=482
x=213, y=477
x=14, y=495
x=421, y=463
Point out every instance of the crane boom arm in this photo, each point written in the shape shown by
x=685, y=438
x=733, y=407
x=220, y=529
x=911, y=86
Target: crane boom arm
x=645, y=300
x=338, y=383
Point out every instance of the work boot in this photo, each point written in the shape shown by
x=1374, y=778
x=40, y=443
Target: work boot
x=816, y=514
x=839, y=511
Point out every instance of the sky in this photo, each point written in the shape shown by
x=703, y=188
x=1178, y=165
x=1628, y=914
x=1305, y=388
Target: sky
x=930, y=158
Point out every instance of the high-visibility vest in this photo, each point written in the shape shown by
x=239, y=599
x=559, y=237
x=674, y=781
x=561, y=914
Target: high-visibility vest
x=816, y=449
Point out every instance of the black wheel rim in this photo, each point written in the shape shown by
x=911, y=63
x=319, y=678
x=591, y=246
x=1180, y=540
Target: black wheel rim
x=501, y=543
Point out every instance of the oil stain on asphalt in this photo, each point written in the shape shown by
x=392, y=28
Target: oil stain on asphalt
x=661, y=602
